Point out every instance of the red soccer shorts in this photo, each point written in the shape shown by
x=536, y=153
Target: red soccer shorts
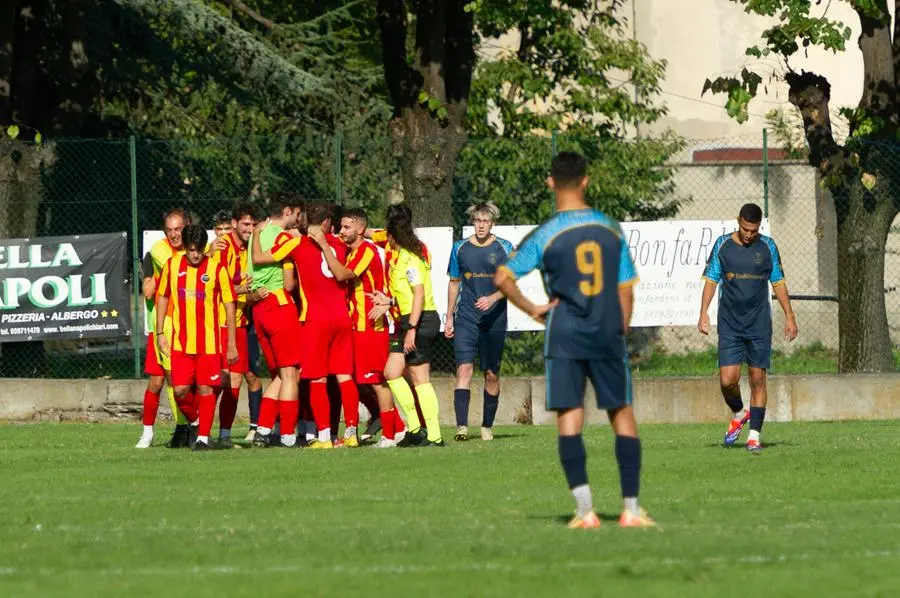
x=202, y=370
x=240, y=336
x=152, y=367
x=370, y=354
x=278, y=330
x=329, y=348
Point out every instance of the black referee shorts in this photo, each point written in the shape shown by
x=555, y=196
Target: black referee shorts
x=426, y=333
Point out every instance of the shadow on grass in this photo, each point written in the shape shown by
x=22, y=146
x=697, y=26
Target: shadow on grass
x=743, y=445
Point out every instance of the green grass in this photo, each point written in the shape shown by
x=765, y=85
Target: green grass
x=84, y=514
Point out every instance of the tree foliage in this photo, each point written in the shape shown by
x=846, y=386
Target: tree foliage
x=861, y=173
x=576, y=71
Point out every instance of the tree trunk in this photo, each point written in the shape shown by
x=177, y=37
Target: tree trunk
x=863, y=224
x=7, y=37
x=427, y=153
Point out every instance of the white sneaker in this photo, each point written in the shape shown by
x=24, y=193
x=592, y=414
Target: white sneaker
x=250, y=435
x=385, y=443
x=487, y=434
x=145, y=441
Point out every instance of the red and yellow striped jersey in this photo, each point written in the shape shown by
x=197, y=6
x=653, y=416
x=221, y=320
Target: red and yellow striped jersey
x=234, y=259
x=195, y=293
x=379, y=237
x=369, y=269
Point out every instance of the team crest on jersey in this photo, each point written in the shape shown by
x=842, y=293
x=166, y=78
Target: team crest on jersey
x=757, y=257
x=492, y=258
x=468, y=275
x=204, y=278
x=729, y=275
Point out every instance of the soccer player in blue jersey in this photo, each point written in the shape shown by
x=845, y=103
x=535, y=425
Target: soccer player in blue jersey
x=745, y=263
x=476, y=316
x=589, y=277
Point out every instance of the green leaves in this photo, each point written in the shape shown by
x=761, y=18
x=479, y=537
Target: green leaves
x=740, y=92
x=12, y=131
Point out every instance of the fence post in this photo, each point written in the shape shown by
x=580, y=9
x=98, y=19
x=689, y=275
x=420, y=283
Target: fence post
x=338, y=175
x=765, y=173
x=136, y=328
x=554, y=148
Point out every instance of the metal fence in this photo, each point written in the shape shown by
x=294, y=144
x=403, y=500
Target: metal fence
x=80, y=186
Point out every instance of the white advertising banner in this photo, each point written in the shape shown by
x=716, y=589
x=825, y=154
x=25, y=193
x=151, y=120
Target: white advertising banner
x=670, y=257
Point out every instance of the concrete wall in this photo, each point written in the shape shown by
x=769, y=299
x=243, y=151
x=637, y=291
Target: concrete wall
x=657, y=400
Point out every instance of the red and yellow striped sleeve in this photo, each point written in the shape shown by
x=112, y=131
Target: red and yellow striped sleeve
x=361, y=260
x=379, y=237
x=226, y=289
x=283, y=246
x=165, y=286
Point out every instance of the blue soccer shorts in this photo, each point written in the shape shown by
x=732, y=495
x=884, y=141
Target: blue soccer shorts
x=566, y=381
x=735, y=350
x=470, y=339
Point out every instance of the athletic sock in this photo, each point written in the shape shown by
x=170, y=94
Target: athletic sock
x=255, y=399
x=735, y=403
x=350, y=401
x=388, y=429
x=757, y=417
x=403, y=395
x=321, y=408
x=628, y=454
x=573, y=458
x=288, y=412
x=325, y=435
x=180, y=418
x=310, y=427
x=461, y=405
x=228, y=407
x=224, y=434
x=430, y=409
x=399, y=425
x=268, y=411
x=187, y=408
x=491, y=403
x=148, y=430
x=207, y=413
x=151, y=407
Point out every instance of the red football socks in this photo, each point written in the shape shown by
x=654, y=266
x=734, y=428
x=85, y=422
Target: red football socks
x=288, y=411
x=350, y=400
x=228, y=407
x=321, y=408
x=151, y=406
x=268, y=411
x=388, y=427
x=207, y=413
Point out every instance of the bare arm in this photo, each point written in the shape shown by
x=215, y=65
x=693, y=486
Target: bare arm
x=709, y=291
x=162, y=305
x=418, y=305
x=790, y=321
x=231, y=350
x=149, y=288
x=452, y=298
x=290, y=279
x=341, y=272
x=626, y=300
x=257, y=255
x=506, y=284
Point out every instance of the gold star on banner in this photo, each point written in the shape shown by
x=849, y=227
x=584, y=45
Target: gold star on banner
x=114, y=313
x=103, y=313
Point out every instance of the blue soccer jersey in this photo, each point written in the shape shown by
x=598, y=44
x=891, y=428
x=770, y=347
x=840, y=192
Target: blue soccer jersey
x=743, y=273
x=474, y=267
x=584, y=260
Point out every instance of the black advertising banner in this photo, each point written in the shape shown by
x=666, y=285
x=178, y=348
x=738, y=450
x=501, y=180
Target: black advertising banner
x=64, y=287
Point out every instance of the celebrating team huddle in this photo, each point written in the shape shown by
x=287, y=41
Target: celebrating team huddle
x=320, y=306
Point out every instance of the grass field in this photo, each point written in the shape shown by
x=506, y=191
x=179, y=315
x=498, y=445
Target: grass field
x=84, y=514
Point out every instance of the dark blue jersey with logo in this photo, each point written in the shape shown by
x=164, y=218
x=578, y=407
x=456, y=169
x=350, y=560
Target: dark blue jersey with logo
x=743, y=273
x=474, y=266
x=584, y=260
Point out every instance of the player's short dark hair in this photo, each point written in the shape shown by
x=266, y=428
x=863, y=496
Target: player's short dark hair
x=568, y=169
x=194, y=236
x=280, y=200
x=221, y=217
x=356, y=214
x=750, y=212
x=317, y=212
x=177, y=212
x=244, y=209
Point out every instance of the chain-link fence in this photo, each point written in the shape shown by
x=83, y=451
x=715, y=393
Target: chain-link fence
x=69, y=187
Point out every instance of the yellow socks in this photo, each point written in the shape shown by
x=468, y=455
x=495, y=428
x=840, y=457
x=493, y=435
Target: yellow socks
x=428, y=401
x=404, y=397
